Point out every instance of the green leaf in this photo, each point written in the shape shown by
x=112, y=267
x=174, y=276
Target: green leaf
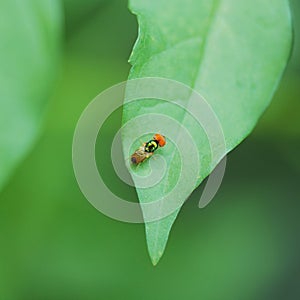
x=30, y=34
x=233, y=52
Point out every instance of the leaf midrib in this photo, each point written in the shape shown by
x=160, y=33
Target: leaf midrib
x=212, y=19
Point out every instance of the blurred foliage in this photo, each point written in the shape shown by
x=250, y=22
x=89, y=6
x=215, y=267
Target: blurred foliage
x=77, y=12
x=295, y=58
x=244, y=245
x=282, y=117
x=30, y=35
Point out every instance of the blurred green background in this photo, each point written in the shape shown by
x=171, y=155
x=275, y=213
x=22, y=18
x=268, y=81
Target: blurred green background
x=244, y=245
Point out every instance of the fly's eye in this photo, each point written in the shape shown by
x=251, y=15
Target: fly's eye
x=160, y=139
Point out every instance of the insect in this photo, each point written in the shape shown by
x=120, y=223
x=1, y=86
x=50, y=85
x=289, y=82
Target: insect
x=147, y=149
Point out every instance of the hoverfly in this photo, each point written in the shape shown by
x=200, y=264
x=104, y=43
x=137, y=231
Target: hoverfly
x=147, y=149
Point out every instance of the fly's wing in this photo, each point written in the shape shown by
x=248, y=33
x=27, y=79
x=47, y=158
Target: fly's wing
x=139, y=155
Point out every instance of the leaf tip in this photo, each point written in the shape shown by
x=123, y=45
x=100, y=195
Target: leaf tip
x=155, y=259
